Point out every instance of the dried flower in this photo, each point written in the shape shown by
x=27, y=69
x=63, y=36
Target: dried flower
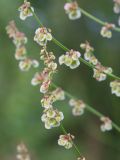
x=70, y=59
x=66, y=140
x=22, y=152
x=52, y=118
x=73, y=10
x=78, y=107
x=106, y=30
x=107, y=124
x=25, y=10
x=115, y=87
x=26, y=64
x=116, y=7
x=42, y=35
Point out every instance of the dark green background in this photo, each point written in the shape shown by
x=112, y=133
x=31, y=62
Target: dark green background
x=20, y=109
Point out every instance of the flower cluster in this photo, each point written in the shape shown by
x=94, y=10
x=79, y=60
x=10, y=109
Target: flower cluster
x=19, y=40
x=70, y=59
x=115, y=87
x=116, y=8
x=107, y=124
x=100, y=72
x=52, y=118
x=42, y=35
x=78, y=107
x=73, y=10
x=106, y=30
x=66, y=140
x=51, y=97
x=44, y=78
x=22, y=152
x=25, y=10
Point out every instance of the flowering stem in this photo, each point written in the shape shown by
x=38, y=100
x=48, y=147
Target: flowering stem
x=97, y=19
x=58, y=43
x=89, y=108
x=75, y=146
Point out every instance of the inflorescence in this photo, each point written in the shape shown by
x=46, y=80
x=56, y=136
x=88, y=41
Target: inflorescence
x=51, y=116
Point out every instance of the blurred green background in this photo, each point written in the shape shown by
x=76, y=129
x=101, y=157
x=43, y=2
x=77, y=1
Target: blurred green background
x=20, y=109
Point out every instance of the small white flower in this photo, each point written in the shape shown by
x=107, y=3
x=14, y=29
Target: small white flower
x=106, y=30
x=66, y=141
x=42, y=35
x=26, y=64
x=35, y=63
x=99, y=76
x=88, y=55
x=70, y=59
x=116, y=7
x=19, y=39
x=73, y=10
x=115, y=87
x=78, y=107
x=25, y=10
x=52, y=65
x=58, y=94
x=93, y=60
x=45, y=86
x=107, y=124
x=23, y=153
x=40, y=77
x=100, y=73
x=47, y=101
x=52, y=118
x=20, y=53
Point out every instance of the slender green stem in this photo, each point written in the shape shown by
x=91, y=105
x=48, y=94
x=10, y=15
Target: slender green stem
x=92, y=17
x=36, y=18
x=97, y=20
x=58, y=43
x=89, y=108
x=75, y=146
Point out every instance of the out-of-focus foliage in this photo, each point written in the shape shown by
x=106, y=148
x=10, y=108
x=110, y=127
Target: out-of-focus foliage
x=20, y=109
